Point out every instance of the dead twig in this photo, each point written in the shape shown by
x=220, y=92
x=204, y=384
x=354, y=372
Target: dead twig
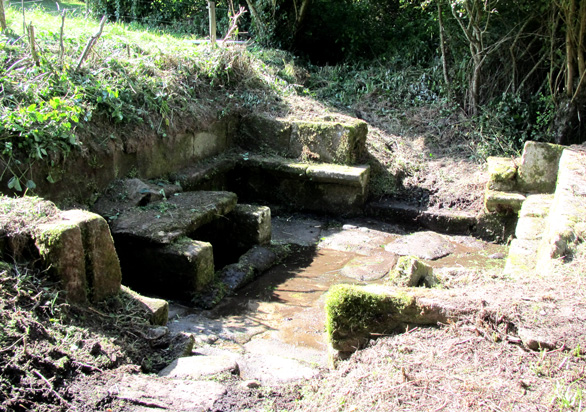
x=91, y=43
x=53, y=391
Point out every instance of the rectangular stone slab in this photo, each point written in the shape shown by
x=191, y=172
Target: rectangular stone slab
x=166, y=220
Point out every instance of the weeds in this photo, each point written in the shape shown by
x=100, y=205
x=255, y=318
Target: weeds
x=45, y=343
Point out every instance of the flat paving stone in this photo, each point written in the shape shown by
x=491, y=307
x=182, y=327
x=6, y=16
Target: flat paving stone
x=368, y=268
x=167, y=394
x=423, y=245
x=274, y=370
x=197, y=367
x=358, y=239
x=302, y=232
x=237, y=329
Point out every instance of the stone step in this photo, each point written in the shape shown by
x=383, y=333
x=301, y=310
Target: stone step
x=503, y=202
x=533, y=215
x=329, y=188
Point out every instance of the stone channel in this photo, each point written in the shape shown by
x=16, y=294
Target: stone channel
x=273, y=328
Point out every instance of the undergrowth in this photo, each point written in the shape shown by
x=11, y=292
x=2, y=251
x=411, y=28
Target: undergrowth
x=47, y=343
x=133, y=75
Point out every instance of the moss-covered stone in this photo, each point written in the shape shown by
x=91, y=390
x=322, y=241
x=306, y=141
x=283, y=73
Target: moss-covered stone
x=352, y=315
x=329, y=142
x=502, y=174
x=102, y=266
x=60, y=245
x=539, y=167
x=411, y=271
x=356, y=314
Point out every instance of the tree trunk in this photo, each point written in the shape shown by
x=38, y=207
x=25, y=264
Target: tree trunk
x=570, y=48
x=2, y=16
x=442, y=34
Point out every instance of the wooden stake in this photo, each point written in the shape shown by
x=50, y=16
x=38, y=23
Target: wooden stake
x=31, y=39
x=90, y=43
x=61, y=47
x=212, y=10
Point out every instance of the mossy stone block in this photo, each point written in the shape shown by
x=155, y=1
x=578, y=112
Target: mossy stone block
x=328, y=142
x=539, y=167
x=411, y=271
x=60, y=246
x=352, y=315
x=103, y=273
x=502, y=172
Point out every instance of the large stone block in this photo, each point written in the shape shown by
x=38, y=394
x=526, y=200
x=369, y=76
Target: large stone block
x=178, y=270
x=539, y=167
x=251, y=225
x=329, y=142
x=167, y=220
x=103, y=274
x=60, y=245
x=502, y=174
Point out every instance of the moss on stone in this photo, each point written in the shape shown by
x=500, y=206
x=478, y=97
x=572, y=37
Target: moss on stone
x=352, y=314
x=502, y=173
x=411, y=271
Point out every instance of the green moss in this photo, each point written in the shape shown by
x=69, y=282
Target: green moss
x=352, y=314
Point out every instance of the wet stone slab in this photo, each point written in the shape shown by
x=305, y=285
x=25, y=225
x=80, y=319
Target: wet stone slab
x=368, y=268
x=423, y=245
x=356, y=238
x=302, y=232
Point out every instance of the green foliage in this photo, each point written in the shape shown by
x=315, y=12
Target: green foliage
x=346, y=30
